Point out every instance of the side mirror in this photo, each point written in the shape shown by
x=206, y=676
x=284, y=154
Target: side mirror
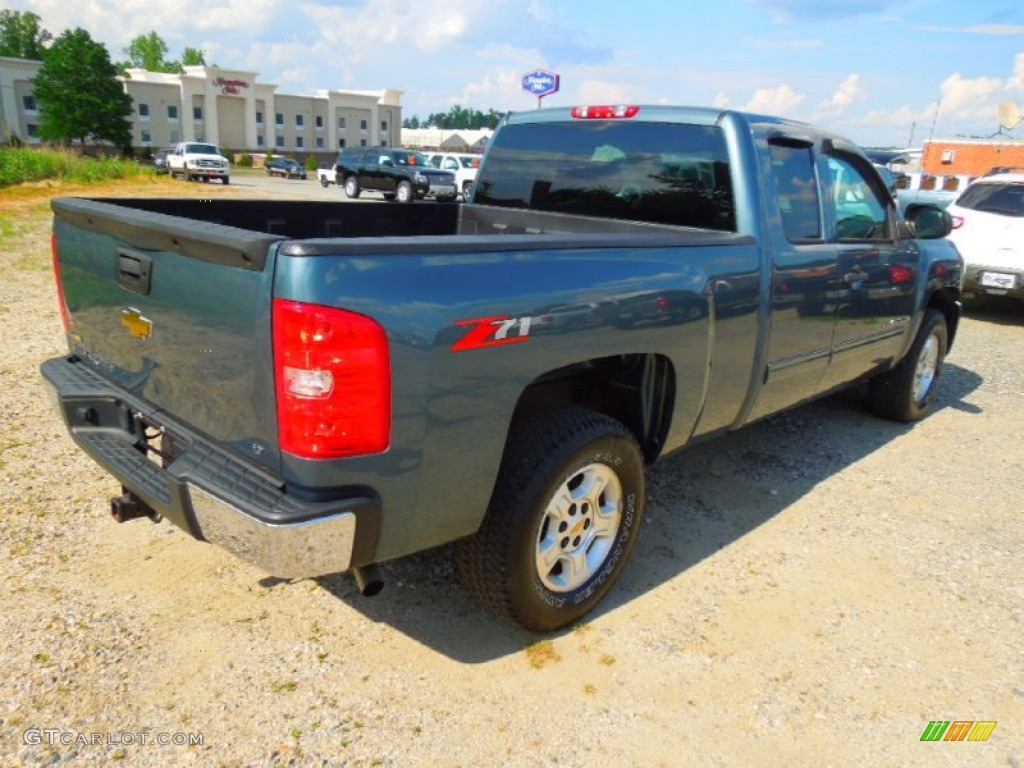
x=929, y=222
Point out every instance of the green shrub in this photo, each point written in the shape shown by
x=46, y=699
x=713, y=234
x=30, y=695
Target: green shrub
x=245, y=160
x=18, y=166
x=311, y=163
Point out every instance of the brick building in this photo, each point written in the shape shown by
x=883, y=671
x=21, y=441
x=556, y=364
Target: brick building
x=970, y=157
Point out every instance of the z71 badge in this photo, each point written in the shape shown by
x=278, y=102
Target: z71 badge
x=492, y=332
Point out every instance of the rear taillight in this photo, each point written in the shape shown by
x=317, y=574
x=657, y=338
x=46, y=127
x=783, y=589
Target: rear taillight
x=663, y=302
x=333, y=378
x=604, y=112
x=958, y=221
x=61, y=301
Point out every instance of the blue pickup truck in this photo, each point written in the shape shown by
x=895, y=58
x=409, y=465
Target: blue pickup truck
x=321, y=387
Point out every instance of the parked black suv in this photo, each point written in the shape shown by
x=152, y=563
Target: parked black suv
x=399, y=174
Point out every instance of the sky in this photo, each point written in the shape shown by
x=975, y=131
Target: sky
x=881, y=72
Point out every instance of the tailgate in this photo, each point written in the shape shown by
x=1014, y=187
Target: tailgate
x=177, y=313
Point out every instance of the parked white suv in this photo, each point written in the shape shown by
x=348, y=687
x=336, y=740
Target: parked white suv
x=464, y=166
x=197, y=160
x=988, y=230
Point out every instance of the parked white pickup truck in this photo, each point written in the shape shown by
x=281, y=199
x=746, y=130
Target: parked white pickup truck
x=326, y=176
x=197, y=160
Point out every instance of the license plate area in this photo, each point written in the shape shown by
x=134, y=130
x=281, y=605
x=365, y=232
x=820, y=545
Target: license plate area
x=998, y=280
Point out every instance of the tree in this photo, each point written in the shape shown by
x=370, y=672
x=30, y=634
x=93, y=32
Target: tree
x=192, y=57
x=21, y=36
x=148, y=52
x=79, y=94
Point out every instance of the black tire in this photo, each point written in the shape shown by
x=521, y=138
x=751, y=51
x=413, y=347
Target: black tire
x=561, y=468
x=403, y=192
x=906, y=393
x=352, y=188
x=467, y=187
x=324, y=183
x=225, y=179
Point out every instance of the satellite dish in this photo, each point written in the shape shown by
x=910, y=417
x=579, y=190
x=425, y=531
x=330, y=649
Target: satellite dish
x=1009, y=114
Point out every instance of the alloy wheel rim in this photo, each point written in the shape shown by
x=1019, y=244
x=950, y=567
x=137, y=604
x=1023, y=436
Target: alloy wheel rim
x=579, y=528
x=927, y=367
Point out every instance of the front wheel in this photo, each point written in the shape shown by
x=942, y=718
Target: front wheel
x=403, y=192
x=562, y=521
x=907, y=392
x=352, y=189
x=225, y=180
x=324, y=183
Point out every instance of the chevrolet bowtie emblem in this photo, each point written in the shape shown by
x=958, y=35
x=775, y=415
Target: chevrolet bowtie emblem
x=140, y=327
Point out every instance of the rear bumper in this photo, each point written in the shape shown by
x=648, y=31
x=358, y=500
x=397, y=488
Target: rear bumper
x=995, y=281
x=206, y=490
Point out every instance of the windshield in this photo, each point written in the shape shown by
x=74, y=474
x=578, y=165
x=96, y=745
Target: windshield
x=659, y=172
x=201, y=149
x=1005, y=199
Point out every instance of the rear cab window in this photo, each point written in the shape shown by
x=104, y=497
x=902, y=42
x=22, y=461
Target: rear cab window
x=667, y=173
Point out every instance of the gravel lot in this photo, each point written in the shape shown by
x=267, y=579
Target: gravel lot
x=811, y=591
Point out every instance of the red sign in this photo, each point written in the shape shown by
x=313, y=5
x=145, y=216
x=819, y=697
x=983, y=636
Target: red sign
x=230, y=86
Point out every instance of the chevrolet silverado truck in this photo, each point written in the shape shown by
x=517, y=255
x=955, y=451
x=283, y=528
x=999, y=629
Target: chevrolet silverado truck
x=322, y=387
x=398, y=174
x=195, y=160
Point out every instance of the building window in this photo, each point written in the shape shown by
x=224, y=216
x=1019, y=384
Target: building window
x=175, y=137
x=259, y=118
x=259, y=140
x=144, y=112
x=299, y=121
x=29, y=103
x=319, y=142
x=299, y=142
x=33, y=133
x=279, y=118
x=362, y=142
x=280, y=142
x=384, y=126
x=362, y=125
x=172, y=113
x=948, y=156
x=197, y=114
x=341, y=143
x=147, y=138
x=341, y=123
x=319, y=123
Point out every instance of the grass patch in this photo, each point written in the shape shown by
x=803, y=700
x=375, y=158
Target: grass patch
x=22, y=166
x=542, y=653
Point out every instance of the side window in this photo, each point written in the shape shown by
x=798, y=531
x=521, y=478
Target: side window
x=860, y=215
x=797, y=188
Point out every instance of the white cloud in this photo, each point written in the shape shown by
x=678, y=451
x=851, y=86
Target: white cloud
x=721, y=100
x=603, y=92
x=848, y=94
x=780, y=101
x=997, y=29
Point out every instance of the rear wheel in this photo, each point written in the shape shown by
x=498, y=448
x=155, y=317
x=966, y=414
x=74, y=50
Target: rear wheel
x=562, y=521
x=352, y=189
x=403, y=192
x=907, y=392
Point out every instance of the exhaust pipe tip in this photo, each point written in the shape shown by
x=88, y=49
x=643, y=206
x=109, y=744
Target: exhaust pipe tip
x=368, y=579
